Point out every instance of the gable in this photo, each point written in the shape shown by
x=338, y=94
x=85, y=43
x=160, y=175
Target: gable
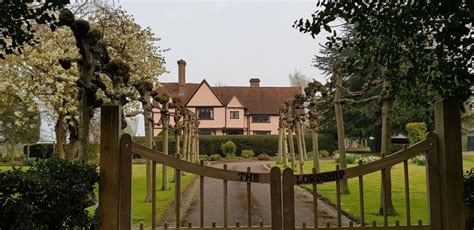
x=204, y=96
x=234, y=103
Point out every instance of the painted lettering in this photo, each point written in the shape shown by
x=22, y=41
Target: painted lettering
x=249, y=177
x=319, y=178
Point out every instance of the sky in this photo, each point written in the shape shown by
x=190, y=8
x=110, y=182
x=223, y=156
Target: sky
x=229, y=42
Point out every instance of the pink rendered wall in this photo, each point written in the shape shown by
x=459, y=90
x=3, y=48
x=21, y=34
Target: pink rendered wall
x=217, y=122
x=236, y=123
x=272, y=126
x=204, y=97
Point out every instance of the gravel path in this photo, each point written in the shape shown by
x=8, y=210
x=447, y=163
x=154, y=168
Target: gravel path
x=237, y=201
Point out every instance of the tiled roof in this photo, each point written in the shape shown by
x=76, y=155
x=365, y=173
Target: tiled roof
x=171, y=88
x=257, y=100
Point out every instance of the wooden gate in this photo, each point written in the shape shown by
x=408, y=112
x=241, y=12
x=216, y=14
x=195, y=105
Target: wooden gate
x=444, y=181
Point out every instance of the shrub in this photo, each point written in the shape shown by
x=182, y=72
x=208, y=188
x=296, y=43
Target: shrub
x=323, y=153
x=419, y=160
x=350, y=158
x=368, y=159
x=416, y=131
x=469, y=195
x=51, y=194
x=42, y=150
x=469, y=189
x=228, y=149
x=204, y=158
x=264, y=157
x=247, y=153
x=214, y=157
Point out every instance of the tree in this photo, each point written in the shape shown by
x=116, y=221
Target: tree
x=17, y=20
x=435, y=54
x=19, y=118
x=298, y=79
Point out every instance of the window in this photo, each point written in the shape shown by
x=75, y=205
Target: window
x=260, y=119
x=205, y=113
x=234, y=114
x=207, y=132
x=262, y=132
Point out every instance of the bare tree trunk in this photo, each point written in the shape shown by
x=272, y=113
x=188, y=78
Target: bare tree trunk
x=10, y=153
x=84, y=123
x=386, y=147
x=185, y=139
x=314, y=138
x=300, y=146
x=340, y=131
x=164, y=123
x=305, y=153
x=149, y=144
x=285, y=147
x=280, y=145
x=178, y=146
x=292, y=147
x=60, y=131
x=188, y=144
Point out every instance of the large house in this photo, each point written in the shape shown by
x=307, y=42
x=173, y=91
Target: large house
x=228, y=110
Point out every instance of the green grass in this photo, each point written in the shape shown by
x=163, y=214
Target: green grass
x=141, y=211
x=372, y=186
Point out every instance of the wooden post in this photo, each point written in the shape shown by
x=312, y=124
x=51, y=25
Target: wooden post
x=125, y=182
x=275, y=197
x=445, y=181
x=111, y=123
x=288, y=199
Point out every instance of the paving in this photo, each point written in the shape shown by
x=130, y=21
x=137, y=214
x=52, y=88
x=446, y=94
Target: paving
x=260, y=200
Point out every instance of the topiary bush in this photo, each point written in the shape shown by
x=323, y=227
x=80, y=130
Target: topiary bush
x=416, y=131
x=228, y=149
x=51, y=194
x=264, y=157
x=323, y=154
x=214, y=157
x=247, y=153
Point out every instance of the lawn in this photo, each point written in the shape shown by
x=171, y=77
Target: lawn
x=141, y=211
x=350, y=202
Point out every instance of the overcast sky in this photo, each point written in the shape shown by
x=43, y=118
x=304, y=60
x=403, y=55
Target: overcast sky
x=229, y=42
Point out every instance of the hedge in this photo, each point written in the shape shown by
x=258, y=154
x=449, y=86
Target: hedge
x=210, y=144
x=45, y=150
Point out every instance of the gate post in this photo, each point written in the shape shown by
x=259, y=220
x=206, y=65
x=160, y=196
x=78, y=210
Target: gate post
x=275, y=194
x=288, y=199
x=110, y=130
x=446, y=187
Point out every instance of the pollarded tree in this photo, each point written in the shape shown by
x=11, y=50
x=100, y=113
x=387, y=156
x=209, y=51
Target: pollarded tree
x=162, y=102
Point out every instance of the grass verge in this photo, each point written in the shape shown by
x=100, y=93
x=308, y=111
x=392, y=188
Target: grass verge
x=372, y=186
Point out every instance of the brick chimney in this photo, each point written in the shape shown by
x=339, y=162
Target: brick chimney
x=181, y=76
x=254, y=82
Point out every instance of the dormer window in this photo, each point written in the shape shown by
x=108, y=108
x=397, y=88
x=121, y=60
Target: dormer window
x=205, y=113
